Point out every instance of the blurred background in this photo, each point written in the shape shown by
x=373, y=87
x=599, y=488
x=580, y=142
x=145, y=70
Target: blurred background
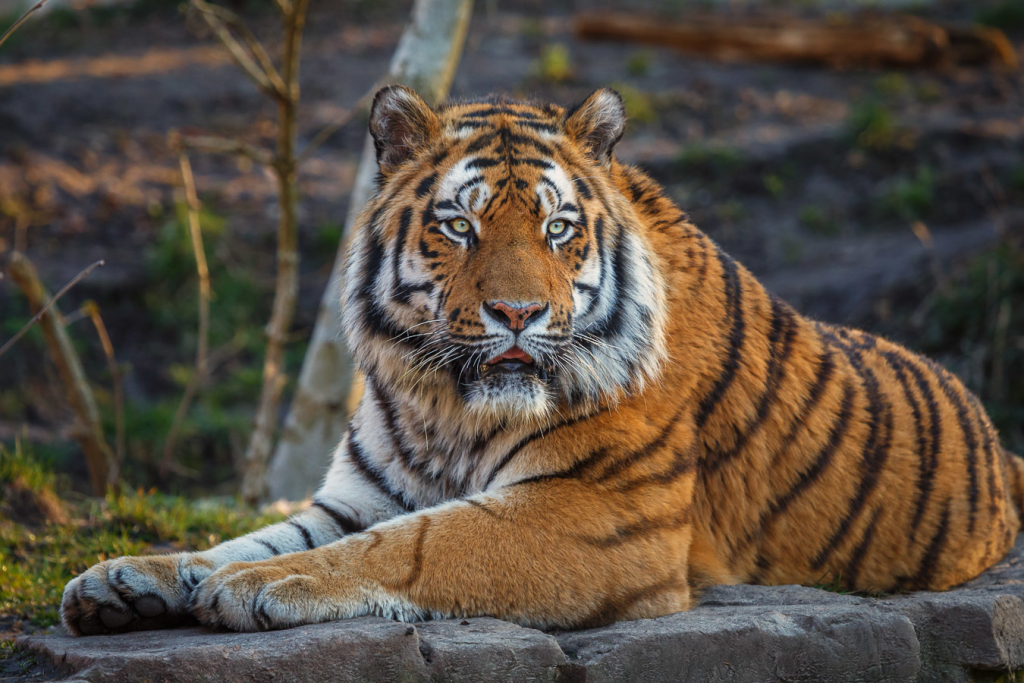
x=863, y=160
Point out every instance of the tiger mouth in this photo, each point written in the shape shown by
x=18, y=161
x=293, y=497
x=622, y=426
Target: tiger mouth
x=515, y=361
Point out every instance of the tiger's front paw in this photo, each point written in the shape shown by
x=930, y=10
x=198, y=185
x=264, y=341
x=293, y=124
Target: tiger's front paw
x=132, y=593
x=261, y=596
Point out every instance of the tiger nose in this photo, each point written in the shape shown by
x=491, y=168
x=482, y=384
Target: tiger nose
x=515, y=317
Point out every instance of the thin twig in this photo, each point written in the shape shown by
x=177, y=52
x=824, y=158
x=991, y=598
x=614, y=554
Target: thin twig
x=255, y=47
x=14, y=27
x=92, y=310
x=361, y=105
x=246, y=61
x=214, y=144
x=88, y=430
x=201, y=371
x=261, y=442
x=74, y=281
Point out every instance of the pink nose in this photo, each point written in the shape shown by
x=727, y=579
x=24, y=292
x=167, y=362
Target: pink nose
x=514, y=317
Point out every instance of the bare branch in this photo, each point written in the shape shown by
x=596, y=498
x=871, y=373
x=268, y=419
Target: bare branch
x=361, y=105
x=24, y=17
x=214, y=144
x=88, y=429
x=286, y=289
x=201, y=371
x=255, y=46
x=286, y=7
x=92, y=310
x=243, y=59
x=74, y=281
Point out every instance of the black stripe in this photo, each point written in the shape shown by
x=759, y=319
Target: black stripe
x=527, y=440
x=989, y=447
x=876, y=448
x=426, y=185
x=783, y=325
x=403, y=290
x=344, y=522
x=480, y=143
x=857, y=556
x=407, y=456
x=582, y=187
x=684, y=462
x=628, y=532
x=483, y=162
x=734, y=309
x=268, y=545
x=928, y=463
x=369, y=473
x=306, y=538
x=927, y=564
x=970, y=441
x=500, y=109
x=826, y=368
x=807, y=477
x=645, y=451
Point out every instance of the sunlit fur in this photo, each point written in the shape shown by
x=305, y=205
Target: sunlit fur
x=693, y=429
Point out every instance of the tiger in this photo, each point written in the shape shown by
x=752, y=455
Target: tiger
x=578, y=409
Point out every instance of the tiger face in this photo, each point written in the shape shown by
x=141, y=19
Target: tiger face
x=498, y=263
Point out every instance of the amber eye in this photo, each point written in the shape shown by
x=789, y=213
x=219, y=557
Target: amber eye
x=557, y=227
x=461, y=226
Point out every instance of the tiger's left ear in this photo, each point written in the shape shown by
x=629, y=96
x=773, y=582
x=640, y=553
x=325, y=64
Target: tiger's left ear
x=400, y=123
x=598, y=123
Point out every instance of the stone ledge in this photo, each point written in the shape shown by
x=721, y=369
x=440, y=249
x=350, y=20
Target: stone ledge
x=737, y=633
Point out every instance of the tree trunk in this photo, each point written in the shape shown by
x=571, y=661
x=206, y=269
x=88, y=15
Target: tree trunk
x=426, y=59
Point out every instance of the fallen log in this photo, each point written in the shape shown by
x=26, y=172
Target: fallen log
x=857, y=41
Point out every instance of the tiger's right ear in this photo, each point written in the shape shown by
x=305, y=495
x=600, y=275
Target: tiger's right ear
x=400, y=123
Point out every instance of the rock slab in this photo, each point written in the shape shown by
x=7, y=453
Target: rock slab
x=736, y=634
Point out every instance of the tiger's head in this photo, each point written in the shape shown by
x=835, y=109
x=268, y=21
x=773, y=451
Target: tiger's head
x=498, y=262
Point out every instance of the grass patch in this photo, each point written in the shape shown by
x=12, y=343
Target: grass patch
x=911, y=197
x=638, y=64
x=872, y=126
x=976, y=326
x=717, y=159
x=555, y=64
x=36, y=560
x=820, y=220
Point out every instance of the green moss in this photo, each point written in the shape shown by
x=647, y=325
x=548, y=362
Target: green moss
x=716, y=158
x=555, y=64
x=911, y=197
x=871, y=125
x=820, y=220
x=775, y=184
x=638, y=64
x=892, y=84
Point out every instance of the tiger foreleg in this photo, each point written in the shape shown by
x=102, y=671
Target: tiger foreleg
x=132, y=593
x=528, y=555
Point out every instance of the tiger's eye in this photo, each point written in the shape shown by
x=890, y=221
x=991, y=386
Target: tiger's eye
x=461, y=225
x=556, y=227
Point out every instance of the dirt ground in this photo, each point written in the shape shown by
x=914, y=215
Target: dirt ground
x=849, y=192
